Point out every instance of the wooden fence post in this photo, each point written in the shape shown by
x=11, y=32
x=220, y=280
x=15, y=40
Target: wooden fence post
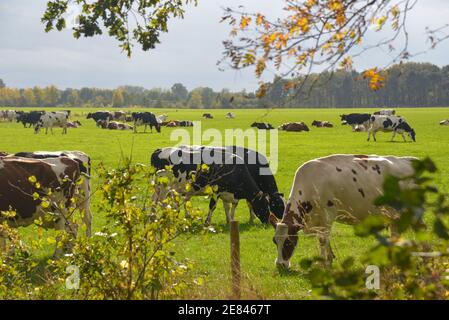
x=235, y=259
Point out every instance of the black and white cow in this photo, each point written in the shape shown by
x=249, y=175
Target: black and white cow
x=147, y=119
x=385, y=112
x=356, y=120
x=238, y=173
x=17, y=190
x=101, y=115
x=54, y=119
x=393, y=124
x=29, y=118
x=84, y=163
x=338, y=188
x=8, y=115
x=262, y=125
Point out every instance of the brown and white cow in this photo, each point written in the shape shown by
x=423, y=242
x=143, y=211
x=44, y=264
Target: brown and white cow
x=338, y=188
x=294, y=127
x=33, y=187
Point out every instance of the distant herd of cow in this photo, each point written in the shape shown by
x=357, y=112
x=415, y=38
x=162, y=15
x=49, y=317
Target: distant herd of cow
x=384, y=120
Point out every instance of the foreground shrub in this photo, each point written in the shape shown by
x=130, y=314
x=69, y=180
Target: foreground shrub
x=131, y=257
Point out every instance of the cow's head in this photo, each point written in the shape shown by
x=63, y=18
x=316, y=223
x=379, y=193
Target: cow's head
x=343, y=117
x=254, y=124
x=38, y=127
x=412, y=135
x=89, y=116
x=158, y=127
x=285, y=238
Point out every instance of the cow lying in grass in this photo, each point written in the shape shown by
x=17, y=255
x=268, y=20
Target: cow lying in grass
x=322, y=124
x=294, y=127
x=337, y=188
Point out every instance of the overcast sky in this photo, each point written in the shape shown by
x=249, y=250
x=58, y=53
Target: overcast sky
x=187, y=54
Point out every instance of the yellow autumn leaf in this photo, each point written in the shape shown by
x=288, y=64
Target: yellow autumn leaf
x=244, y=22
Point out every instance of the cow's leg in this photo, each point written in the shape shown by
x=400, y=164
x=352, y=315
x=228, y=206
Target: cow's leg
x=87, y=217
x=59, y=226
x=394, y=135
x=227, y=209
x=369, y=135
x=374, y=136
x=326, y=250
x=252, y=215
x=145, y=130
x=403, y=137
x=212, y=206
x=232, y=213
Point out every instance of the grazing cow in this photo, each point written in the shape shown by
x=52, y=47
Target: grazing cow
x=161, y=118
x=147, y=119
x=119, y=115
x=8, y=115
x=339, y=188
x=208, y=116
x=52, y=120
x=294, y=126
x=55, y=184
x=354, y=119
x=388, y=124
x=101, y=115
x=385, y=112
x=231, y=169
x=262, y=125
x=29, y=118
x=322, y=124
x=230, y=115
x=84, y=164
x=444, y=123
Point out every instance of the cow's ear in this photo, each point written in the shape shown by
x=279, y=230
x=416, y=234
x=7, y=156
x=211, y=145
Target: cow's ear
x=273, y=220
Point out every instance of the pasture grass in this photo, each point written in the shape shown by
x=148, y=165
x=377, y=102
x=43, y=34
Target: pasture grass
x=211, y=254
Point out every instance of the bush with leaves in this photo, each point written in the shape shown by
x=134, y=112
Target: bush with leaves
x=131, y=257
x=408, y=269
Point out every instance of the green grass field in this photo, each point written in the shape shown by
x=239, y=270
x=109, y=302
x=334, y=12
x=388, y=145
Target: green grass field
x=211, y=254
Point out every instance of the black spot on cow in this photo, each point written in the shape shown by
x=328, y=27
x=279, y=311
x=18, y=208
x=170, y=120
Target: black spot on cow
x=330, y=203
x=364, y=166
x=354, y=179
x=338, y=169
x=354, y=172
x=376, y=168
x=306, y=206
x=361, y=156
x=387, y=123
x=300, y=192
x=362, y=192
